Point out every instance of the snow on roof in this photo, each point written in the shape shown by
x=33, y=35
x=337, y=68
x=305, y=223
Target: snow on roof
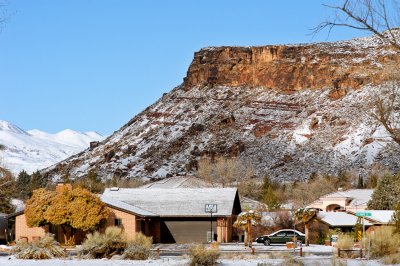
x=124, y=206
x=252, y=204
x=339, y=219
x=358, y=196
x=176, y=201
x=380, y=216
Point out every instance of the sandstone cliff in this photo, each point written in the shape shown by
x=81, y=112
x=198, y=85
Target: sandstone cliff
x=290, y=110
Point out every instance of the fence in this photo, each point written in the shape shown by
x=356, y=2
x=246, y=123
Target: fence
x=350, y=250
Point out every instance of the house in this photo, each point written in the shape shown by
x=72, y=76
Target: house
x=346, y=221
x=179, y=213
x=349, y=200
x=167, y=215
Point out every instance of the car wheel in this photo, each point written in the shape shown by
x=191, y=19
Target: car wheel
x=267, y=242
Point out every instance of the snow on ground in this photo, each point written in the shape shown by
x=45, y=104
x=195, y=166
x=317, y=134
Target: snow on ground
x=232, y=254
x=180, y=261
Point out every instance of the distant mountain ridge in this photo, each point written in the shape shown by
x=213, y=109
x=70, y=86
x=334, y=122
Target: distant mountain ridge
x=35, y=149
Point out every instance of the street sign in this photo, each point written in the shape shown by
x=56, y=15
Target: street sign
x=210, y=208
x=363, y=214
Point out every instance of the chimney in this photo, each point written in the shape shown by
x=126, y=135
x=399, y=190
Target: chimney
x=61, y=186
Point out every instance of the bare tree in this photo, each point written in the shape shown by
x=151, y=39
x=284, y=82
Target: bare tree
x=223, y=171
x=380, y=17
x=386, y=111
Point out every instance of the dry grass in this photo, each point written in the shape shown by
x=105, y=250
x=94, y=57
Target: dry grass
x=384, y=242
x=46, y=248
x=345, y=241
x=200, y=256
x=138, y=248
x=289, y=260
x=393, y=259
x=98, y=245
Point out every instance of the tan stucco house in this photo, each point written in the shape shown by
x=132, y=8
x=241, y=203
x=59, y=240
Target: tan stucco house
x=349, y=200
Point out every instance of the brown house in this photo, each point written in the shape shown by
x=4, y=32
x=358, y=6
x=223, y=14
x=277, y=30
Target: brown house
x=179, y=213
x=168, y=215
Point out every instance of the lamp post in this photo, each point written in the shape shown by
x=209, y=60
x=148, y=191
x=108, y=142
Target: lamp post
x=210, y=208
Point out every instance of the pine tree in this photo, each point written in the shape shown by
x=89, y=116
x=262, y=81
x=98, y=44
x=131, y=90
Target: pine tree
x=360, y=183
x=271, y=200
x=38, y=180
x=23, y=187
x=269, y=197
x=387, y=193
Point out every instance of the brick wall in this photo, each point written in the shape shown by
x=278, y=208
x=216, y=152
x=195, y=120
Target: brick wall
x=128, y=221
x=22, y=230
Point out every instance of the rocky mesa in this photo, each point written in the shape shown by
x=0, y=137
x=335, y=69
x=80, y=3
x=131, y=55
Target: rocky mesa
x=289, y=110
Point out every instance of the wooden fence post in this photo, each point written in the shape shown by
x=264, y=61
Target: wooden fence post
x=252, y=251
x=301, y=252
x=338, y=252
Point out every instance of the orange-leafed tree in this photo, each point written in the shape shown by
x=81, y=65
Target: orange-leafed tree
x=36, y=207
x=72, y=209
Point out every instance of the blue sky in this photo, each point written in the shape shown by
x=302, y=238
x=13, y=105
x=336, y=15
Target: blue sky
x=95, y=64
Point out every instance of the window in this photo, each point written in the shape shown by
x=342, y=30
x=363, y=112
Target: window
x=118, y=222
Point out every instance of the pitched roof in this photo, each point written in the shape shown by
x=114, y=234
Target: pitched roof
x=378, y=216
x=339, y=219
x=126, y=207
x=358, y=197
x=175, y=202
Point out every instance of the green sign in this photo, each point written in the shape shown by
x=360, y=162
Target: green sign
x=361, y=214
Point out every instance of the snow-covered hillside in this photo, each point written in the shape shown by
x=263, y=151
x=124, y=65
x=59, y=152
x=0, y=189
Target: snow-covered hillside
x=34, y=149
x=288, y=110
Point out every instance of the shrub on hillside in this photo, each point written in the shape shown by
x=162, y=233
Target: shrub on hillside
x=384, y=242
x=46, y=248
x=99, y=245
x=200, y=256
x=138, y=248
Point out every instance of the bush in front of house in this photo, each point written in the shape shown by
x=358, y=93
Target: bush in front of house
x=200, y=256
x=384, y=242
x=45, y=248
x=138, y=248
x=345, y=241
x=104, y=245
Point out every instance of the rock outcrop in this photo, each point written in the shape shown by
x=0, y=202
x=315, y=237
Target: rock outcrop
x=316, y=66
x=289, y=110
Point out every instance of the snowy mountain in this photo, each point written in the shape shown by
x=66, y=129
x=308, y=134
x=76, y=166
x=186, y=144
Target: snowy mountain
x=289, y=110
x=34, y=149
